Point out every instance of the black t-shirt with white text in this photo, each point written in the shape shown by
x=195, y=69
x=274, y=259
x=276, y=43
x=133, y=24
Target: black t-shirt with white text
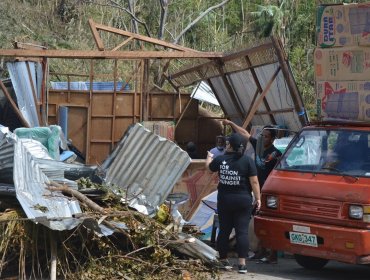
x=234, y=172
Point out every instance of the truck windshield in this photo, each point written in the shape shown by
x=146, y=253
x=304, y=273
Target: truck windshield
x=329, y=151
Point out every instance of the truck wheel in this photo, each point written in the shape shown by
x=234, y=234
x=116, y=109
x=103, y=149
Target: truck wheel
x=311, y=263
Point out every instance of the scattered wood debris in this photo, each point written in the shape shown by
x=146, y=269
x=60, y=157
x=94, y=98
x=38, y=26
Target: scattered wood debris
x=143, y=248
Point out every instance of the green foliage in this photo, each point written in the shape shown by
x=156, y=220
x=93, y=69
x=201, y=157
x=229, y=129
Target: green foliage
x=268, y=20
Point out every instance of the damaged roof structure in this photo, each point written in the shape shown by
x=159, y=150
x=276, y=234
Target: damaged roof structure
x=253, y=86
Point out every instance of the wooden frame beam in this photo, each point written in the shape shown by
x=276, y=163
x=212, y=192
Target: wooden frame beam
x=259, y=90
x=97, y=38
x=298, y=103
x=95, y=27
x=260, y=99
x=84, y=54
x=246, y=52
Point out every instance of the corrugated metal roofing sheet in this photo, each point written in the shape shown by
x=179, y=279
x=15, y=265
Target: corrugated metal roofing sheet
x=146, y=166
x=239, y=79
x=52, y=209
x=278, y=97
x=22, y=85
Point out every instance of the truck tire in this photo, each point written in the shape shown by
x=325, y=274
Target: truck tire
x=311, y=263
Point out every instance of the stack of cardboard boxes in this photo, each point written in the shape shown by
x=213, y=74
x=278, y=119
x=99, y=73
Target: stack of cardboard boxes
x=342, y=62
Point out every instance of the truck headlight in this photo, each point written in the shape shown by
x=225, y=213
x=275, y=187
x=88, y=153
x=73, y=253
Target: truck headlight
x=356, y=212
x=272, y=202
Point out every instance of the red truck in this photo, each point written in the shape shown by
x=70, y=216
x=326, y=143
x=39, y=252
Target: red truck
x=316, y=202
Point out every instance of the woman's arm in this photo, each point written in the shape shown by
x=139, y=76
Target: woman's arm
x=256, y=191
x=209, y=159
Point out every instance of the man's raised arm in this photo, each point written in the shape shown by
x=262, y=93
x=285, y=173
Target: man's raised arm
x=237, y=129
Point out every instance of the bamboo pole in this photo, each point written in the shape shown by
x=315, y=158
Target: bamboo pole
x=53, y=257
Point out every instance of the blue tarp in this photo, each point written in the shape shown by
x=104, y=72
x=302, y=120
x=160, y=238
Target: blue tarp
x=96, y=86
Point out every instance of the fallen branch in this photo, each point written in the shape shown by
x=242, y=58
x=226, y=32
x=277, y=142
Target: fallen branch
x=81, y=197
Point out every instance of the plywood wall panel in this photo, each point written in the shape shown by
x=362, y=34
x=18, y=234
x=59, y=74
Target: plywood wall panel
x=99, y=152
x=161, y=106
x=79, y=98
x=101, y=129
x=52, y=110
x=77, y=127
x=124, y=105
x=57, y=97
x=102, y=104
x=120, y=126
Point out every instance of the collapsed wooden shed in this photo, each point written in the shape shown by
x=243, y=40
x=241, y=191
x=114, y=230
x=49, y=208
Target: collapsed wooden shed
x=157, y=88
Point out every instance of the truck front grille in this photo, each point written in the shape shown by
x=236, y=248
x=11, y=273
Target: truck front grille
x=312, y=207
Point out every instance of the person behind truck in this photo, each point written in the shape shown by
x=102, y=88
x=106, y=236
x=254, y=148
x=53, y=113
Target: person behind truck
x=237, y=180
x=220, y=146
x=265, y=164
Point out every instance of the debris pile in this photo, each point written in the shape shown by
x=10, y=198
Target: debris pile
x=140, y=247
x=72, y=221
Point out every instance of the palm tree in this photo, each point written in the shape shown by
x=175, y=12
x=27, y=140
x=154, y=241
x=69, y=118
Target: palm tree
x=273, y=18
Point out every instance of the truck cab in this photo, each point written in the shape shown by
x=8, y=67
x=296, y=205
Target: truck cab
x=316, y=202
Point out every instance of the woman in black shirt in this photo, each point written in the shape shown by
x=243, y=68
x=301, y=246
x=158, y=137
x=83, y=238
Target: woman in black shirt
x=237, y=180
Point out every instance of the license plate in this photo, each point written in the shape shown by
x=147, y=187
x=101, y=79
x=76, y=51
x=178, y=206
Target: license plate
x=303, y=239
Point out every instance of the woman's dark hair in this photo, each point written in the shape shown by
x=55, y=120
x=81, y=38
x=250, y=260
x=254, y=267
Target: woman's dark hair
x=237, y=143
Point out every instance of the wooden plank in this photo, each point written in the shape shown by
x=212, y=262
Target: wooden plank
x=28, y=46
x=260, y=99
x=123, y=43
x=224, y=59
x=91, y=54
x=288, y=110
x=98, y=40
x=183, y=112
x=259, y=87
x=143, y=38
x=294, y=93
x=76, y=97
x=112, y=109
x=89, y=125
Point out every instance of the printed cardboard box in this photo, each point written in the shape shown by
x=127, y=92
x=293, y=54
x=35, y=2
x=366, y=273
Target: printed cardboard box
x=343, y=25
x=348, y=100
x=338, y=64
